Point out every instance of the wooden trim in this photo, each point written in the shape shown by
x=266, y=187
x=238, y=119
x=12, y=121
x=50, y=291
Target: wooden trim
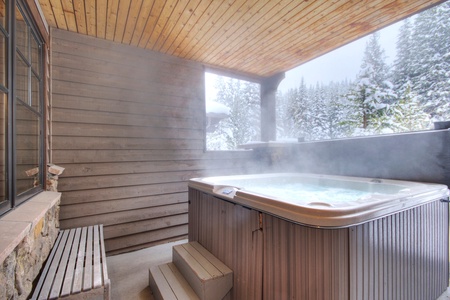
x=39, y=18
x=233, y=74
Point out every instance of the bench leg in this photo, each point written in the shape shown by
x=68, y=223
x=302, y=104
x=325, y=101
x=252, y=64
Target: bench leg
x=107, y=292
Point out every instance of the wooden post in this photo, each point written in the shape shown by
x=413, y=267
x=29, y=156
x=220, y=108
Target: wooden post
x=269, y=88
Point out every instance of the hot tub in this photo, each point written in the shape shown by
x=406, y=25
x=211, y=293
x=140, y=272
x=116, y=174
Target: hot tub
x=307, y=236
x=321, y=200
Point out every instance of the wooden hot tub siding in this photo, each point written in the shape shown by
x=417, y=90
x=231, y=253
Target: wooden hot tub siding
x=402, y=256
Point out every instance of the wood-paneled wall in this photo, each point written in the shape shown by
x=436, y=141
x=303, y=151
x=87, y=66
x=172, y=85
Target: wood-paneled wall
x=128, y=127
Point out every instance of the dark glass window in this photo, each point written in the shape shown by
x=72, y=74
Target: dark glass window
x=27, y=145
x=3, y=134
x=3, y=58
x=21, y=98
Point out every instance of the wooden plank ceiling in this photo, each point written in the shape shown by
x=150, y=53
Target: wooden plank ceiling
x=252, y=37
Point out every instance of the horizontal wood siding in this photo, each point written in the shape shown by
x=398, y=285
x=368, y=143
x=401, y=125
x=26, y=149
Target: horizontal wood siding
x=127, y=126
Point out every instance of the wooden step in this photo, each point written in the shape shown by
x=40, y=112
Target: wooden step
x=210, y=278
x=167, y=283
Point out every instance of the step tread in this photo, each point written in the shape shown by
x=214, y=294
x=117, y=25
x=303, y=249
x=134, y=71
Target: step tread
x=221, y=267
x=209, y=277
x=202, y=268
x=204, y=264
x=168, y=283
x=159, y=285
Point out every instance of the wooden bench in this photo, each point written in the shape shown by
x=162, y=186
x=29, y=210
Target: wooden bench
x=76, y=267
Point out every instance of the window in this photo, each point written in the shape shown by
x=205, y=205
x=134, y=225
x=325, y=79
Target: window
x=395, y=80
x=233, y=112
x=21, y=106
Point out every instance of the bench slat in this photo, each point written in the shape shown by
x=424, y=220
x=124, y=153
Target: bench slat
x=87, y=282
x=102, y=246
x=68, y=280
x=106, y=280
x=57, y=283
x=78, y=274
x=47, y=287
x=97, y=268
x=76, y=265
x=38, y=294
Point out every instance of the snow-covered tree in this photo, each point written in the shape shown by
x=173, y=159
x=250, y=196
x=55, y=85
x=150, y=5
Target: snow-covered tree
x=402, y=71
x=243, y=123
x=286, y=127
x=315, y=111
x=300, y=109
x=431, y=63
x=336, y=110
x=407, y=114
x=372, y=92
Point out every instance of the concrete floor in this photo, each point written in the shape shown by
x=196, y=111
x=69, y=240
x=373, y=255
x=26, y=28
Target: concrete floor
x=445, y=295
x=129, y=272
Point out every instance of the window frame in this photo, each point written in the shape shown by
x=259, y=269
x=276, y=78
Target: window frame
x=228, y=76
x=12, y=199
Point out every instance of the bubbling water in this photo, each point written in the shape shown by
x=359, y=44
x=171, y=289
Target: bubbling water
x=308, y=193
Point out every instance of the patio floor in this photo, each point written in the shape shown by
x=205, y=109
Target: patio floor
x=129, y=272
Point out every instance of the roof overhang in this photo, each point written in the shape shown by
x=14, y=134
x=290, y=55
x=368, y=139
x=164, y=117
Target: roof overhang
x=258, y=38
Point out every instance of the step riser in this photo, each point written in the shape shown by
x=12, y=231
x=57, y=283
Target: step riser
x=208, y=276
x=167, y=283
x=194, y=274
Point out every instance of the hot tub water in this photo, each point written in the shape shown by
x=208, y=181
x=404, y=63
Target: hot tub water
x=321, y=200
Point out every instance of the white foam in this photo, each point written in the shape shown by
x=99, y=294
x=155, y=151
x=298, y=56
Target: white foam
x=299, y=193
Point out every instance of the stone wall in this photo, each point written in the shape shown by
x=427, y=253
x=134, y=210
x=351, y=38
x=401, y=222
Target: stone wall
x=21, y=268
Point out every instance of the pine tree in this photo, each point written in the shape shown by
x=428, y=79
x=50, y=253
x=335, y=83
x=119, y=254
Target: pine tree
x=243, y=123
x=372, y=93
x=335, y=108
x=431, y=64
x=408, y=114
x=285, y=123
x=314, y=112
x=300, y=111
x=402, y=65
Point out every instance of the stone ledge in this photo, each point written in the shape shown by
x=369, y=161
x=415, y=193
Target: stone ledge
x=18, y=223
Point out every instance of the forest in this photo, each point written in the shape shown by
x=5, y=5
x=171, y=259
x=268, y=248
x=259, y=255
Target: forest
x=407, y=95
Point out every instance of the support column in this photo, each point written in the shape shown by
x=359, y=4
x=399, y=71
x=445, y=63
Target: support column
x=269, y=88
